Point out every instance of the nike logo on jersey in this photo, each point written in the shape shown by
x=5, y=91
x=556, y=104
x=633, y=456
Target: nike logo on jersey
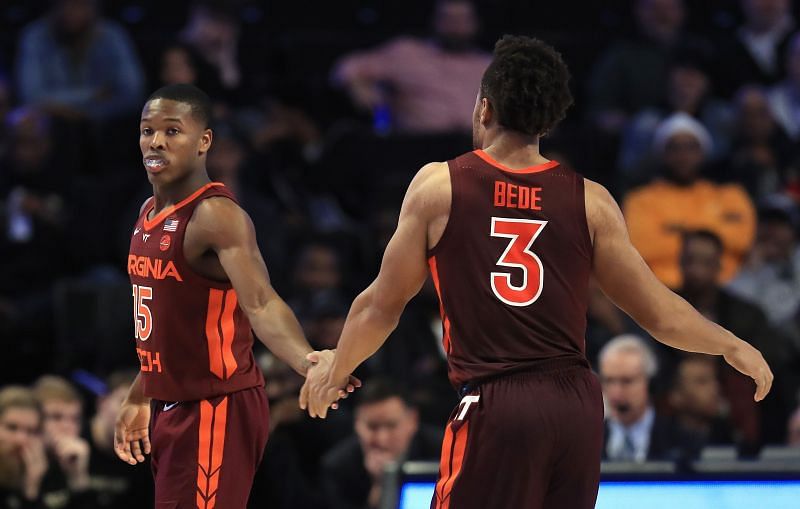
x=170, y=406
x=136, y=231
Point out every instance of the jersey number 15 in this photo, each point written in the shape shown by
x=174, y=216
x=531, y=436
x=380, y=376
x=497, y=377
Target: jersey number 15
x=523, y=233
x=142, y=316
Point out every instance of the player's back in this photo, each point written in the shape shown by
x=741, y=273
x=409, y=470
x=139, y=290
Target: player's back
x=512, y=267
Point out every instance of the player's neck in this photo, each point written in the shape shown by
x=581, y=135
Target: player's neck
x=172, y=193
x=512, y=149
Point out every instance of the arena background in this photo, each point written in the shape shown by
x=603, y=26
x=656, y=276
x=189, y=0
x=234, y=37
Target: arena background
x=322, y=167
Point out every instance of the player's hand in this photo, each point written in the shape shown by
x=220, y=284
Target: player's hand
x=319, y=392
x=749, y=361
x=73, y=457
x=131, y=434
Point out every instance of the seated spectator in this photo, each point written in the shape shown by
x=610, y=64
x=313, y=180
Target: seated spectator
x=681, y=200
x=317, y=278
x=697, y=402
x=771, y=276
x=688, y=91
x=429, y=85
x=754, y=423
x=116, y=484
x=630, y=75
x=760, y=150
x=23, y=462
x=755, y=52
x=387, y=430
x=76, y=63
x=633, y=429
x=784, y=98
x=67, y=480
x=793, y=431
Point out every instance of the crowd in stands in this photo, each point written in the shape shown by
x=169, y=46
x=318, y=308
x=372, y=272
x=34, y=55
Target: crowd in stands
x=688, y=112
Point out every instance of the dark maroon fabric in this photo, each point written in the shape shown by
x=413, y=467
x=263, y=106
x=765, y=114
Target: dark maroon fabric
x=194, y=342
x=491, y=328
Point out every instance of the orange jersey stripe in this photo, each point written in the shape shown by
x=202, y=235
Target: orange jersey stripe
x=445, y=320
x=213, y=314
x=213, y=421
x=228, y=333
x=150, y=223
x=452, y=460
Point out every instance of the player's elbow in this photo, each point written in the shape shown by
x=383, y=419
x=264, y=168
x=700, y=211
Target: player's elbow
x=381, y=307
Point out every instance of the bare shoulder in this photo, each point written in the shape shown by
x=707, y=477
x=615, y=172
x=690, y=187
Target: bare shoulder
x=602, y=210
x=221, y=217
x=430, y=187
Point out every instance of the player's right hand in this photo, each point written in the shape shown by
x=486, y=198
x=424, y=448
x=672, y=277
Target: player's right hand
x=749, y=361
x=131, y=433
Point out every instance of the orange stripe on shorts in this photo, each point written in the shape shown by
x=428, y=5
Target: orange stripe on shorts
x=211, y=450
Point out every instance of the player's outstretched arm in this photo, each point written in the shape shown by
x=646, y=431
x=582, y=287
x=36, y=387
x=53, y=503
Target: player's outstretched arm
x=630, y=284
x=227, y=230
x=375, y=313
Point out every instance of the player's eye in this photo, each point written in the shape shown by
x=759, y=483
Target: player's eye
x=172, y=131
x=147, y=131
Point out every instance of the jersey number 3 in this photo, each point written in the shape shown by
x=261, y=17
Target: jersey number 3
x=142, y=317
x=518, y=254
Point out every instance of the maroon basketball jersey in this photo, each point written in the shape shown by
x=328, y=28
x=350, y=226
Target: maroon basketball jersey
x=193, y=340
x=512, y=267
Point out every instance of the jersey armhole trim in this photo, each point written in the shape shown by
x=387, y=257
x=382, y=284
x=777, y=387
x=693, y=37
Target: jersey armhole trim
x=451, y=168
x=583, y=219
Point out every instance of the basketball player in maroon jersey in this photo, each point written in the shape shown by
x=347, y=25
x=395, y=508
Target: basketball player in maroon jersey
x=199, y=285
x=511, y=240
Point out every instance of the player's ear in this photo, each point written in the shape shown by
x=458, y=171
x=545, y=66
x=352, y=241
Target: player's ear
x=205, y=140
x=486, y=112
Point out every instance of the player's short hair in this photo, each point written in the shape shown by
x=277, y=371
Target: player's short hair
x=635, y=344
x=706, y=235
x=527, y=84
x=377, y=390
x=16, y=396
x=187, y=94
x=55, y=388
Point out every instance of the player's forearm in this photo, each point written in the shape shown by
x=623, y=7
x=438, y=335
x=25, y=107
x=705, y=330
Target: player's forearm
x=136, y=392
x=366, y=329
x=679, y=325
x=277, y=328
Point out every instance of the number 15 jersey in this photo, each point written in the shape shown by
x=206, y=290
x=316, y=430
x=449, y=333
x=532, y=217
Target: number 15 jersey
x=193, y=340
x=512, y=267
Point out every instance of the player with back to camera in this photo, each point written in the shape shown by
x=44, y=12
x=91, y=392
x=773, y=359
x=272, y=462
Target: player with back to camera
x=511, y=240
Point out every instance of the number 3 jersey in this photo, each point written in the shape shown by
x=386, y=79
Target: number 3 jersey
x=193, y=340
x=512, y=267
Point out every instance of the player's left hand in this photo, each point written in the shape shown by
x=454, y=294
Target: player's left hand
x=320, y=392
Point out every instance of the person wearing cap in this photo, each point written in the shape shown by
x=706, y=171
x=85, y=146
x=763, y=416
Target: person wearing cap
x=681, y=200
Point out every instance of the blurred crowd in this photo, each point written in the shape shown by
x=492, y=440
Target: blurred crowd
x=689, y=114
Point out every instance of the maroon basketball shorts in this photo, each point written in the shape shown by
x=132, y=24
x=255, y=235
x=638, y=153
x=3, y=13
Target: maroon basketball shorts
x=205, y=453
x=529, y=440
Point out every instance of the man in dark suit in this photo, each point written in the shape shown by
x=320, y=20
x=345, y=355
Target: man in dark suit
x=633, y=429
x=387, y=430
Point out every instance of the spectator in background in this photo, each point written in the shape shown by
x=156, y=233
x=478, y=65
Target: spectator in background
x=426, y=84
x=62, y=419
x=755, y=52
x=23, y=461
x=771, y=276
x=784, y=98
x=180, y=63
x=793, y=429
x=697, y=401
x=630, y=75
x=760, y=150
x=688, y=91
x=387, y=430
x=76, y=63
x=317, y=279
x=681, y=200
x=633, y=429
x=116, y=484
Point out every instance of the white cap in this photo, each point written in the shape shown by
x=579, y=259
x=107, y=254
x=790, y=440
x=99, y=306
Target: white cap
x=681, y=123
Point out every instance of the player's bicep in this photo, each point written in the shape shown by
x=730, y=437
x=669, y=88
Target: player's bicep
x=618, y=267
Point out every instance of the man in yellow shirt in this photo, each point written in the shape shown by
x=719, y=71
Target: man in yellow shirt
x=658, y=213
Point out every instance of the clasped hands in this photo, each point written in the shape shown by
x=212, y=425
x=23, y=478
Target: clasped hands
x=323, y=389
